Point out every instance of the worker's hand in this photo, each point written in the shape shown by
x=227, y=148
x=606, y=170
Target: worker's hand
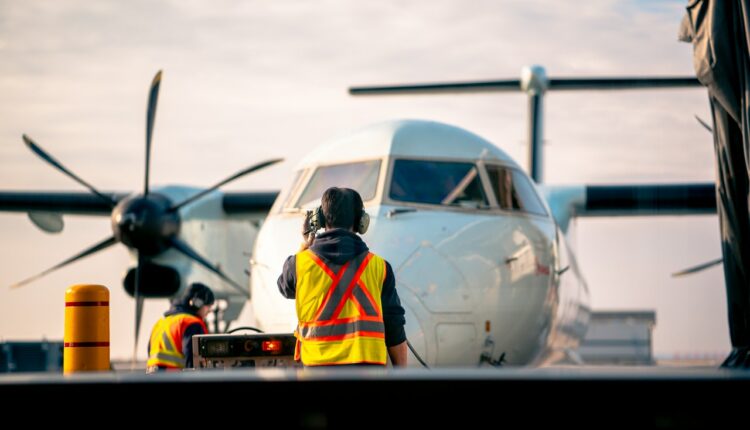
x=306, y=228
x=308, y=234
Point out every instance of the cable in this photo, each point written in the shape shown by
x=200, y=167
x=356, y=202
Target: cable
x=416, y=355
x=245, y=328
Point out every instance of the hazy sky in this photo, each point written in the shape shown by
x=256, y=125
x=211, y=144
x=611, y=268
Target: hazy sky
x=250, y=80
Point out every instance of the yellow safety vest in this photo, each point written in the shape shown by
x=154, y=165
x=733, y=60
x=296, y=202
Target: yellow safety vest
x=166, y=340
x=339, y=310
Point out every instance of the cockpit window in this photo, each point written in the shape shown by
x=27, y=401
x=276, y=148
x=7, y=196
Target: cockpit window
x=437, y=183
x=283, y=200
x=362, y=177
x=513, y=190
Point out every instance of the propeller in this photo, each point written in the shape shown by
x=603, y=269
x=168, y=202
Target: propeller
x=237, y=175
x=535, y=83
x=148, y=224
x=186, y=250
x=153, y=97
x=51, y=160
x=698, y=268
x=138, y=303
x=106, y=243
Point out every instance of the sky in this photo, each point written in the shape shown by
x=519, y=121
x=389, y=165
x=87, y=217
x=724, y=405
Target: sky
x=246, y=81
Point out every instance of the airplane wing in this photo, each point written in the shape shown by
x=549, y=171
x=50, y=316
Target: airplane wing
x=78, y=203
x=85, y=203
x=567, y=202
x=237, y=203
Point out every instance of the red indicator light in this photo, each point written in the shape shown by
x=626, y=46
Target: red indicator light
x=271, y=345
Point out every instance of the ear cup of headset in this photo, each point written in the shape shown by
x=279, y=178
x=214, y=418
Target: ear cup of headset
x=364, y=223
x=196, y=302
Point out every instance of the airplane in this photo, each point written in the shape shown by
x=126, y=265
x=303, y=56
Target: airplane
x=479, y=246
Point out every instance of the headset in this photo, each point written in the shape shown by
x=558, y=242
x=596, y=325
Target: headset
x=197, y=302
x=317, y=221
x=201, y=296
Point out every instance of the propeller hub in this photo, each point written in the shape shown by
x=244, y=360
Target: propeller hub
x=145, y=223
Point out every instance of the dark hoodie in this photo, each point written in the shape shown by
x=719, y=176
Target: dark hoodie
x=336, y=247
x=187, y=336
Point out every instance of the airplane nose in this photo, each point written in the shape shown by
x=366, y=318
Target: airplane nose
x=435, y=281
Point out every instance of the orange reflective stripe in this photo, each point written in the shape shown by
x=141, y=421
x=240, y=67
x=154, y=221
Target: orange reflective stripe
x=370, y=298
x=335, y=279
x=330, y=330
x=351, y=286
x=334, y=286
x=339, y=293
x=366, y=304
x=350, y=335
x=360, y=309
x=337, y=321
x=324, y=331
x=327, y=325
x=320, y=263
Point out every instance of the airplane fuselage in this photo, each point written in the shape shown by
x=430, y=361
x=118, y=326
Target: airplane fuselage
x=476, y=280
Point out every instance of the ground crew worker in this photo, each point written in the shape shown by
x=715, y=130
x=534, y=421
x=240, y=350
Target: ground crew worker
x=348, y=309
x=171, y=344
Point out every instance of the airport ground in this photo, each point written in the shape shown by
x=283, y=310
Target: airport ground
x=652, y=396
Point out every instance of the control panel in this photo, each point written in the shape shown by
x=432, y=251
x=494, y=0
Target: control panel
x=243, y=350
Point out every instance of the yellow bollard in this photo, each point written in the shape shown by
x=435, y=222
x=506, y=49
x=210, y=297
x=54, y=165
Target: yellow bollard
x=86, y=328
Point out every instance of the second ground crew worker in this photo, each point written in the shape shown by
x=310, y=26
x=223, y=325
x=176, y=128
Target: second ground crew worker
x=348, y=309
x=171, y=344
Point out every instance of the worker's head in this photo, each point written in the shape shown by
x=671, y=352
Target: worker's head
x=198, y=298
x=343, y=208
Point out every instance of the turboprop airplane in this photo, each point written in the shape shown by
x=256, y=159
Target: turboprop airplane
x=482, y=264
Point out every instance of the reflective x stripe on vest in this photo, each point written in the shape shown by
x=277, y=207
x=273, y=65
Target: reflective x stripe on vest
x=346, y=325
x=166, y=351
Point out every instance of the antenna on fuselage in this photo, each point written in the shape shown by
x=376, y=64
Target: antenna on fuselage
x=535, y=83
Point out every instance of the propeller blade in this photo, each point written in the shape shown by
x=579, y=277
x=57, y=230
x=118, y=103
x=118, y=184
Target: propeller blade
x=153, y=97
x=138, y=305
x=96, y=248
x=51, y=160
x=138, y=316
x=510, y=85
x=698, y=268
x=237, y=175
x=704, y=124
x=440, y=87
x=190, y=253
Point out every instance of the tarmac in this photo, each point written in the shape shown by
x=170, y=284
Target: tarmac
x=649, y=396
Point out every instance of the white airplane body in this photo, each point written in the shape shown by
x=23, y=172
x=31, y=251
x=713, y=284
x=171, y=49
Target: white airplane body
x=476, y=280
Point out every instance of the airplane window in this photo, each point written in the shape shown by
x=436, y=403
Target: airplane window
x=514, y=191
x=501, y=183
x=529, y=197
x=283, y=201
x=437, y=183
x=362, y=177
